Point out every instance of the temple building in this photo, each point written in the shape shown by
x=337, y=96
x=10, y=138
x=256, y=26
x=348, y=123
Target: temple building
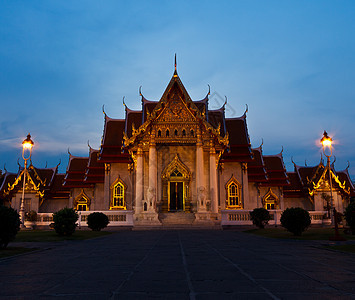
x=176, y=161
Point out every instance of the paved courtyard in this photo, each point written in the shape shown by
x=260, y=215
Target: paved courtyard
x=180, y=265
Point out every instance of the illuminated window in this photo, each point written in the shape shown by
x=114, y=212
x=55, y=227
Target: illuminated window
x=270, y=200
x=118, y=195
x=81, y=207
x=167, y=133
x=192, y=132
x=118, y=189
x=159, y=133
x=82, y=203
x=233, y=194
x=176, y=132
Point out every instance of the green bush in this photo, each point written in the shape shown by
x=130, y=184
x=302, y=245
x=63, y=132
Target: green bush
x=295, y=220
x=65, y=221
x=260, y=217
x=97, y=221
x=350, y=216
x=9, y=225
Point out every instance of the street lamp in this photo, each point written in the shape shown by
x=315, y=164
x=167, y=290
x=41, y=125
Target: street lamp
x=326, y=142
x=27, y=145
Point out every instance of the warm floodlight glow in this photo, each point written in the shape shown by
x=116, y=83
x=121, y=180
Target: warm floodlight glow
x=28, y=143
x=326, y=140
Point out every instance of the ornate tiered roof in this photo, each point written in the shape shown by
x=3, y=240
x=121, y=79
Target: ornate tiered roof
x=47, y=182
x=305, y=180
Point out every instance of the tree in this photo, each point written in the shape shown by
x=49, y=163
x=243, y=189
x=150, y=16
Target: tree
x=65, y=221
x=260, y=217
x=9, y=225
x=295, y=220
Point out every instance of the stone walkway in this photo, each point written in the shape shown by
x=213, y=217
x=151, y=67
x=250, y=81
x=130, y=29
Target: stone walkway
x=180, y=265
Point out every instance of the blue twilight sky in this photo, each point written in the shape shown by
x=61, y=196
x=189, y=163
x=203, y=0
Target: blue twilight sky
x=292, y=62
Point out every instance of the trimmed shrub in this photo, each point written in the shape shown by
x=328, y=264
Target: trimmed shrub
x=295, y=220
x=97, y=221
x=9, y=225
x=350, y=216
x=260, y=217
x=65, y=221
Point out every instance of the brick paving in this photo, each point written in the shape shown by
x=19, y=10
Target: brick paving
x=179, y=265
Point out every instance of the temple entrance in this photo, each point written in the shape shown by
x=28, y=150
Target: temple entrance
x=175, y=184
x=176, y=202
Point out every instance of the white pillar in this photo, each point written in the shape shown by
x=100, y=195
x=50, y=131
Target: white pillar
x=200, y=178
x=213, y=181
x=245, y=186
x=139, y=181
x=107, y=184
x=152, y=190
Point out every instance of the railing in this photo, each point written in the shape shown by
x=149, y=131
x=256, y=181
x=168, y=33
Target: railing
x=116, y=218
x=242, y=217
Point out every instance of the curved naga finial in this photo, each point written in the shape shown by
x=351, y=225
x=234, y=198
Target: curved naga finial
x=209, y=90
x=140, y=91
x=124, y=104
x=18, y=162
x=293, y=161
x=246, y=109
x=225, y=102
x=345, y=168
x=60, y=161
x=46, y=164
x=175, y=62
x=282, y=150
x=69, y=152
x=5, y=167
x=335, y=159
x=262, y=143
x=103, y=109
x=89, y=145
x=305, y=163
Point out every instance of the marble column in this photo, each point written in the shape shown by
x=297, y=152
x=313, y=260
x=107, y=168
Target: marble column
x=245, y=186
x=139, y=181
x=200, y=179
x=213, y=181
x=107, y=184
x=152, y=189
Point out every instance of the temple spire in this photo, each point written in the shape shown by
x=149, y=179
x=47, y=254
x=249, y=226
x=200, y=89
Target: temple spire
x=175, y=71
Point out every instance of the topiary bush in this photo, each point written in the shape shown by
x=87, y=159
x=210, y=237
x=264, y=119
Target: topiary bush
x=350, y=216
x=260, y=217
x=97, y=221
x=295, y=220
x=65, y=221
x=9, y=225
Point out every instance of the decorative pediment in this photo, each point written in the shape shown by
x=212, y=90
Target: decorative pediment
x=323, y=182
x=30, y=184
x=176, y=169
x=82, y=198
x=270, y=196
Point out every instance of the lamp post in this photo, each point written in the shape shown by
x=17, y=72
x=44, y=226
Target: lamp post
x=326, y=142
x=27, y=145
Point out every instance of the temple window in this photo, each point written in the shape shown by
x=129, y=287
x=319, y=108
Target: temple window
x=183, y=132
x=82, y=202
x=167, y=133
x=118, y=195
x=233, y=189
x=270, y=200
x=159, y=133
x=192, y=132
x=175, y=132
